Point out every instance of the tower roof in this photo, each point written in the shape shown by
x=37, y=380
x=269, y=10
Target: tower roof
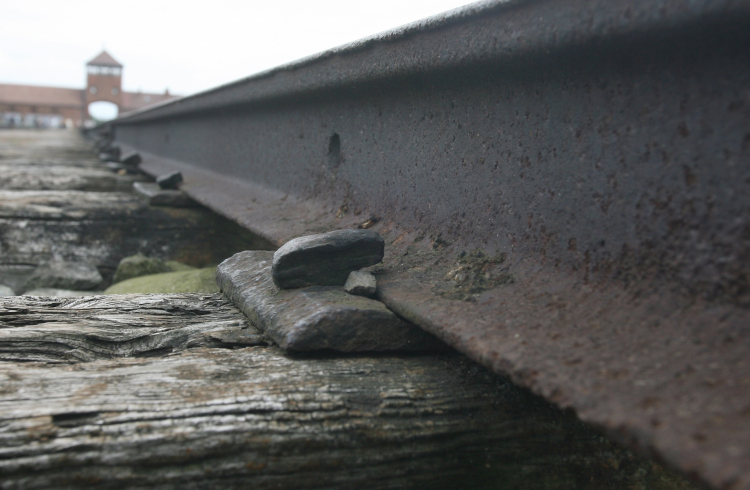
x=104, y=59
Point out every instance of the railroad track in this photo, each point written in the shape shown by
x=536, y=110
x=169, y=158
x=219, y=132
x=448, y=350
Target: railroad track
x=161, y=390
x=562, y=187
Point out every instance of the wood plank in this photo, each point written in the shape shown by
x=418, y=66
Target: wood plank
x=257, y=418
x=46, y=148
x=100, y=228
x=135, y=325
x=64, y=178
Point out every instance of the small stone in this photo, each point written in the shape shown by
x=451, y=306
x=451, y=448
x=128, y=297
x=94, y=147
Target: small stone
x=6, y=291
x=361, y=283
x=61, y=274
x=138, y=265
x=170, y=180
x=318, y=317
x=161, y=197
x=58, y=293
x=325, y=259
x=133, y=158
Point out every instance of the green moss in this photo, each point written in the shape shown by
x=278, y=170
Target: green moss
x=139, y=265
x=187, y=281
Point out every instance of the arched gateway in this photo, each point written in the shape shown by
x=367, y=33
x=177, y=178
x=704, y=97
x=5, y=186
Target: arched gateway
x=30, y=105
x=104, y=80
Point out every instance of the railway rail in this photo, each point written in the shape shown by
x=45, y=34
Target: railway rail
x=184, y=387
x=562, y=186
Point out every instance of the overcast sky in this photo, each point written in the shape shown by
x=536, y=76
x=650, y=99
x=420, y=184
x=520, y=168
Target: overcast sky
x=186, y=46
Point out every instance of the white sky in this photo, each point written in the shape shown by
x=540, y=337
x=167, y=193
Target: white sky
x=186, y=46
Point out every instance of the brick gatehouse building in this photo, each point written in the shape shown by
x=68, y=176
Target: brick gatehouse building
x=33, y=105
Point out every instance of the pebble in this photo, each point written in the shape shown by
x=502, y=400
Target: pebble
x=61, y=274
x=318, y=317
x=170, y=180
x=133, y=158
x=6, y=291
x=361, y=283
x=325, y=259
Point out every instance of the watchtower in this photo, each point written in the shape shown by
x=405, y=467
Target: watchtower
x=104, y=80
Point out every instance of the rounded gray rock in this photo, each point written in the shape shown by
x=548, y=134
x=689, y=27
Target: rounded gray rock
x=325, y=259
x=6, y=291
x=61, y=274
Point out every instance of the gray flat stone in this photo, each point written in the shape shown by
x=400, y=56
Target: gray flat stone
x=15, y=275
x=59, y=293
x=318, y=317
x=160, y=197
x=60, y=274
x=325, y=259
x=6, y=291
x=361, y=283
x=170, y=180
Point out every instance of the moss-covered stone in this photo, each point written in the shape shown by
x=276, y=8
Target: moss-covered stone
x=186, y=281
x=139, y=265
x=136, y=266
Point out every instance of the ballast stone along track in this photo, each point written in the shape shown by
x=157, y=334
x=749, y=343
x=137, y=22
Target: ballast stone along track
x=298, y=296
x=562, y=187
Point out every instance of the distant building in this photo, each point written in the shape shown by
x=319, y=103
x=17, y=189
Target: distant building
x=32, y=105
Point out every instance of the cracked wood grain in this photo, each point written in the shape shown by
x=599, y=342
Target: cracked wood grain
x=100, y=228
x=101, y=327
x=159, y=406
x=254, y=418
x=73, y=178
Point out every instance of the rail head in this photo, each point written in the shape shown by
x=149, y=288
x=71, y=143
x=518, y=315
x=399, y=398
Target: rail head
x=485, y=32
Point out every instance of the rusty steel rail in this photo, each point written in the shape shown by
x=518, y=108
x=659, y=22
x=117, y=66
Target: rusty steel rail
x=564, y=189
